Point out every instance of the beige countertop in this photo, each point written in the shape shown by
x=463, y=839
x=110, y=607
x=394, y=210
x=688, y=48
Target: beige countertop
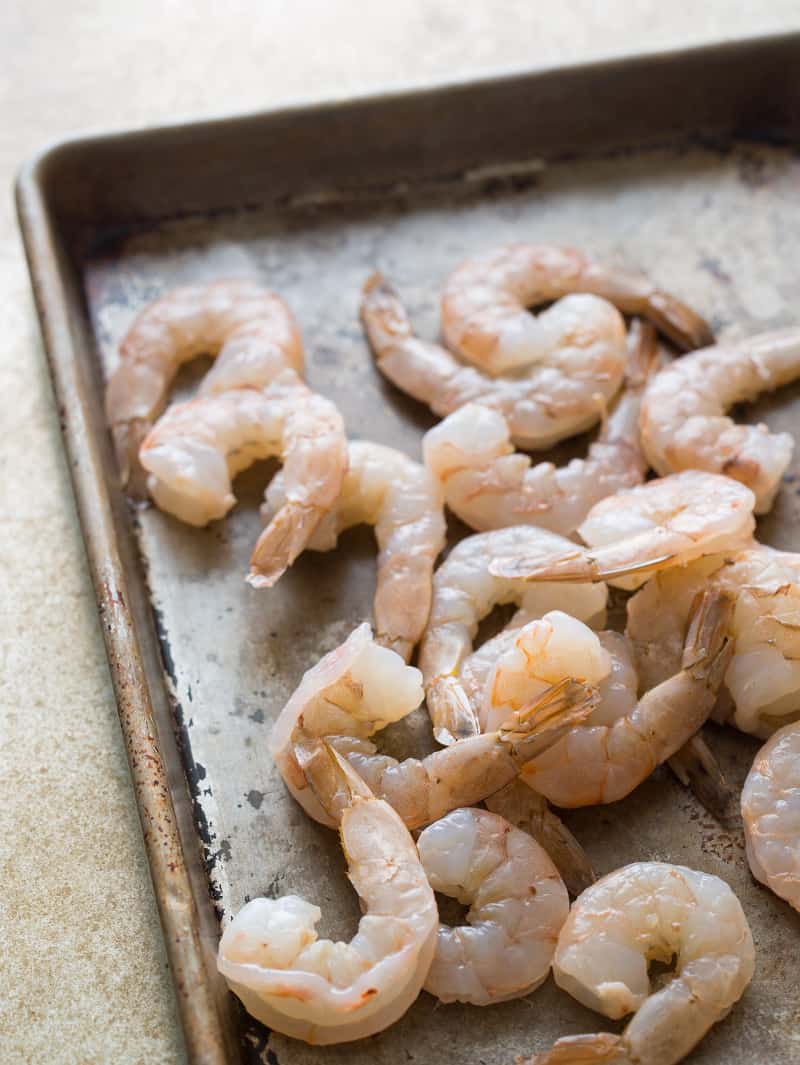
x=82, y=963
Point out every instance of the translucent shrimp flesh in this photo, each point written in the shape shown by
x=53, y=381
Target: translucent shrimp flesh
x=762, y=682
x=385, y=488
x=517, y=906
x=660, y=524
x=645, y=912
x=564, y=393
x=465, y=592
x=540, y=654
x=359, y=688
x=324, y=992
x=771, y=814
x=196, y=448
x=489, y=485
x=505, y=662
x=683, y=421
x=485, y=316
x=604, y=758
x=249, y=328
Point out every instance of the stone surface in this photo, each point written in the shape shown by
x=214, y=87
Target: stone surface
x=82, y=963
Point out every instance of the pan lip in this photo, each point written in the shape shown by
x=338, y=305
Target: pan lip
x=31, y=170
x=98, y=501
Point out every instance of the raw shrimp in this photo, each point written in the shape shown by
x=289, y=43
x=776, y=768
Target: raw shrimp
x=325, y=992
x=196, y=448
x=354, y=691
x=514, y=669
x=359, y=688
x=663, y=523
x=541, y=654
x=489, y=485
x=564, y=393
x=651, y=911
x=683, y=419
x=518, y=904
x=464, y=592
x=611, y=753
x=385, y=488
x=763, y=678
x=771, y=814
x=484, y=304
x=249, y=328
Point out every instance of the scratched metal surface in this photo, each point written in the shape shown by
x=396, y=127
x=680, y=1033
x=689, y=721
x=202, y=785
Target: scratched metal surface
x=721, y=229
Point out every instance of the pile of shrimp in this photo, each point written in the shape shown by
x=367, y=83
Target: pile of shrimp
x=557, y=709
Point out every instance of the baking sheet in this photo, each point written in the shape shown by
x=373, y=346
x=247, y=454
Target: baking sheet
x=718, y=226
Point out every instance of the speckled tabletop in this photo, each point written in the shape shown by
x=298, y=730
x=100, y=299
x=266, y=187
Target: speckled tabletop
x=82, y=964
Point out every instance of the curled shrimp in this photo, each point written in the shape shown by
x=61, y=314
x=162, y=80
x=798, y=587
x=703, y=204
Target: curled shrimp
x=683, y=419
x=385, y=488
x=562, y=394
x=196, y=448
x=540, y=654
x=771, y=814
x=644, y=912
x=489, y=485
x=249, y=328
x=485, y=317
x=663, y=523
x=762, y=682
x=360, y=687
x=605, y=757
x=324, y=992
x=517, y=906
x=510, y=668
x=464, y=592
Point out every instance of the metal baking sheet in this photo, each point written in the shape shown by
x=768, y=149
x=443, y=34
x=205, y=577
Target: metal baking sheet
x=201, y=662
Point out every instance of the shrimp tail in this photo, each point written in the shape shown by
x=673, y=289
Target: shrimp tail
x=677, y=321
x=451, y=713
x=383, y=315
x=526, y=809
x=540, y=724
x=644, y=356
x=577, y=566
x=708, y=647
x=696, y=768
x=128, y=437
x=281, y=542
x=603, y=1047
x=566, y=852
x=330, y=776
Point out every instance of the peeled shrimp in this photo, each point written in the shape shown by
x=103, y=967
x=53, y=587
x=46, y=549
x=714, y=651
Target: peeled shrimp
x=489, y=485
x=505, y=664
x=324, y=992
x=663, y=523
x=604, y=758
x=385, y=488
x=683, y=420
x=464, y=592
x=249, y=328
x=763, y=678
x=651, y=911
x=354, y=691
x=196, y=448
x=484, y=304
x=541, y=654
x=565, y=392
x=518, y=904
x=771, y=814
x=359, y=688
